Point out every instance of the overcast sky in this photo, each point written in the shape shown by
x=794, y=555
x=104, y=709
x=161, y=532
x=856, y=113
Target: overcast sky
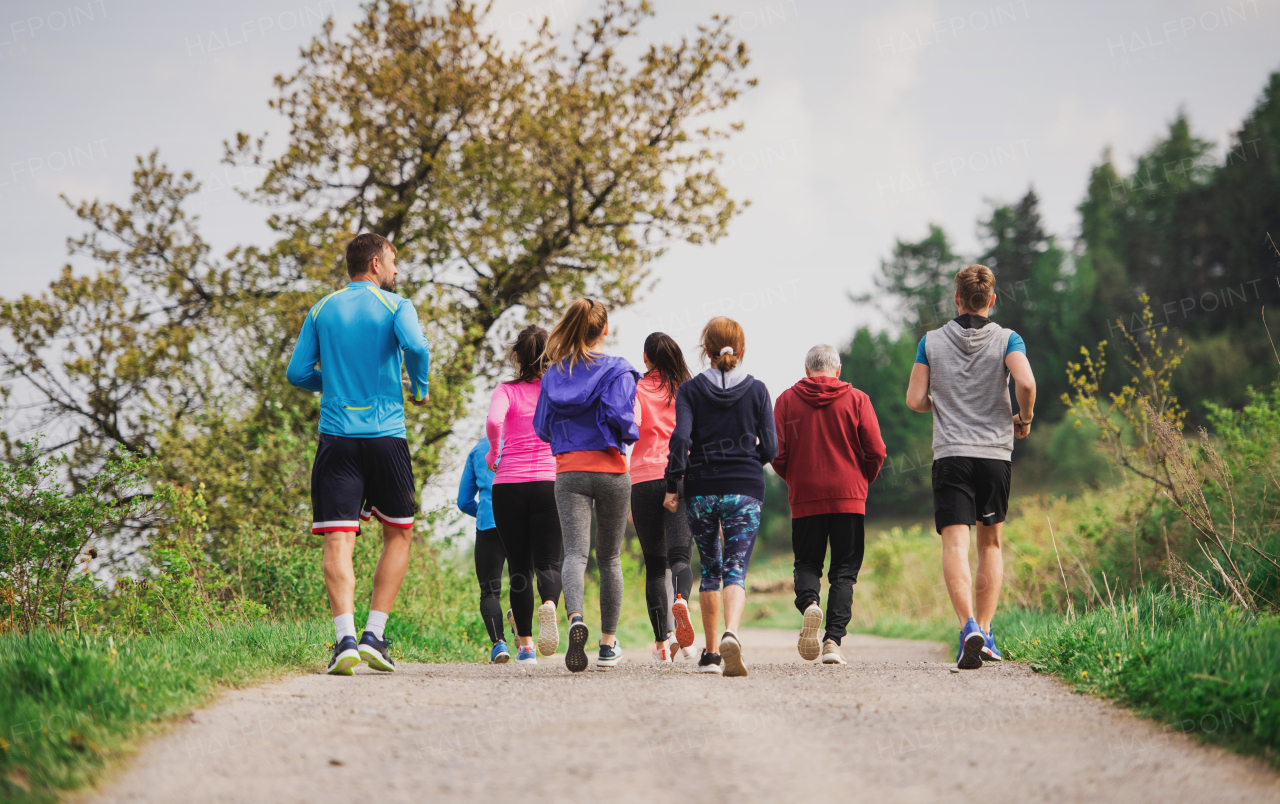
x=871, y=119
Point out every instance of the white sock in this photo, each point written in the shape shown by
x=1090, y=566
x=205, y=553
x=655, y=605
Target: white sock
x=345, y=625
x=376, y=623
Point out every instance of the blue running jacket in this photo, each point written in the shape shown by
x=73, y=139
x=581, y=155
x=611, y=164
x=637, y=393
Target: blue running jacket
x=351, y=348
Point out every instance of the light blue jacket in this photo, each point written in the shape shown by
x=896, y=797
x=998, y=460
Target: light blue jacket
x=359, y=337
x=477, y=481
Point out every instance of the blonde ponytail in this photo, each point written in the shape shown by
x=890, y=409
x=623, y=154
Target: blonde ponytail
x=571, y=338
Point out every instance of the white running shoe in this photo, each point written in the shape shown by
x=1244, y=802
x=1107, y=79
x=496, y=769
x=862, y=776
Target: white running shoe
x=548, y=629
x=662, y=655
x=710, y=663
x=810, y=646
x=683, y=654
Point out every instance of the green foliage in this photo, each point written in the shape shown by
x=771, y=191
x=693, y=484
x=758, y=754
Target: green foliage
x=880, y=365
x=1125, y=424
x=1209, y=671
x=46, y=533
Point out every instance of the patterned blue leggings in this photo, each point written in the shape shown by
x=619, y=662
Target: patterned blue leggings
x=739, y=516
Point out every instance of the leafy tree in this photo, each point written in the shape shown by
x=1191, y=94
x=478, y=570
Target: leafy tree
x=510, y=180
x=917, y=281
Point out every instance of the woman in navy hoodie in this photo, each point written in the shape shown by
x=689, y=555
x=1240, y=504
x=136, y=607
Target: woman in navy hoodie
x=586, y=411
x=723, y=438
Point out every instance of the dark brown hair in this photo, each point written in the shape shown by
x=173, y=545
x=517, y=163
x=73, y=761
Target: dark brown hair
x=529, y=354
x=583, y=324
x=721, y=332
x=975, y=284
x=362, y=249
x=667, y=359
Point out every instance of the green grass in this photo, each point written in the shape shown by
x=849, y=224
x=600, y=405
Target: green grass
x=74, y=703
x=1212, y=672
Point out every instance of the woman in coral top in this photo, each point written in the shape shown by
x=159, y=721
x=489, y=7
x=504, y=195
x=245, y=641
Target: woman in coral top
x=524, y=497
x=664, y=535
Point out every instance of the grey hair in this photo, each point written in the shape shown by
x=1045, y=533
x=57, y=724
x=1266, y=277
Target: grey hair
x=822, y=358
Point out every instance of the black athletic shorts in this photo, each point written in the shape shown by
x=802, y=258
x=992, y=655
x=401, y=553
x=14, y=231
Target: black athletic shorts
x=968, y=491
x=354, y=479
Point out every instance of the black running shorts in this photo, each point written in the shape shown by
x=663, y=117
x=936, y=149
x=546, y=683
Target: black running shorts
x=354, y=479
x=968, y=491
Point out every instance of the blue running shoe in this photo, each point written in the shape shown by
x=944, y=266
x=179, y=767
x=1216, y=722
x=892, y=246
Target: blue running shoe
x=575, y=658
x=499, y=654
x=972, y=641
x=345, y=657
x=610, y=655
x=526, y=654
x=376, y=652
x=990, y=653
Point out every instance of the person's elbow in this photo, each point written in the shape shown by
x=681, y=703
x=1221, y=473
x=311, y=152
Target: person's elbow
x=1025, y=386
x=915, y=402
x=298, y=376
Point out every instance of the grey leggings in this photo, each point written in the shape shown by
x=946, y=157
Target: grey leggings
x=610, y=494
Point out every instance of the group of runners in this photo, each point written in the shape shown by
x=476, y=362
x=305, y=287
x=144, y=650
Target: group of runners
x=576, y=434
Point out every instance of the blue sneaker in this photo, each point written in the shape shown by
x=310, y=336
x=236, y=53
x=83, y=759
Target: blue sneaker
x=610, y=655
x=376, y=652
x=345, y=657
x=499, y=654
x=575, y=658
x=972, y=641
x=990, y=653
x=526, y=654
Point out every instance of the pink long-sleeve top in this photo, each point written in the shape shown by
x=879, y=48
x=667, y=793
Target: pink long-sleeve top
x=525, y=457
x=656, y=416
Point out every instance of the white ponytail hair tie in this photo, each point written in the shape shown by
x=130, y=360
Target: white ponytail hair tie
x=728, y=350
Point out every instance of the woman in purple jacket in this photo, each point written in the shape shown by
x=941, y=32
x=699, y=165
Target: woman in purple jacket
x=586, y=411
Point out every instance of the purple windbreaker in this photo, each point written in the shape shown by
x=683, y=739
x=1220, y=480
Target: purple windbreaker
x=591, y=409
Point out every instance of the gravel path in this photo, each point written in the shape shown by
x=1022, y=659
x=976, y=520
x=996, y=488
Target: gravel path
x=895, y=725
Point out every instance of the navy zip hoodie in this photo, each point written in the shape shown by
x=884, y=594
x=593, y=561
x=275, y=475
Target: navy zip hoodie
x=724, y=435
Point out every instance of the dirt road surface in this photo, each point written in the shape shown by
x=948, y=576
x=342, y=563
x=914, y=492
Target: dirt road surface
x=894, y=725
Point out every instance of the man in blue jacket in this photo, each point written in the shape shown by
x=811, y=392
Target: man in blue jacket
x=353, y=348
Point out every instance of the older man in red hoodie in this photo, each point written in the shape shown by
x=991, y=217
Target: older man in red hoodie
x=829, y=451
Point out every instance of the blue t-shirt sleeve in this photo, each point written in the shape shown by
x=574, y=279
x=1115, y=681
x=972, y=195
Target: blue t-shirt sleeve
x=921, y=357
x=1015, y=345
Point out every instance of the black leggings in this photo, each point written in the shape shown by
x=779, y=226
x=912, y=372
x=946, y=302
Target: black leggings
x=664, y=540
x=489, y=559
x=529, y=525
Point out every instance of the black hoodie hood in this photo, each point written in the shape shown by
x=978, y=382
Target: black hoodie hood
x=724, y=397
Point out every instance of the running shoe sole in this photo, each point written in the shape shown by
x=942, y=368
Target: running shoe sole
x=345, y=664
x=833, y=658
x=809, y=645
x=710, y=668
x=501, y=658
x=375, y=660
x=548, y=630
x=731, y=656
x=527, y=661
x=684, y=626
x=575, y=658
x=971, y=653
x=609, y=662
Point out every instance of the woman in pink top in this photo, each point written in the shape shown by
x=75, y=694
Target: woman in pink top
x=524, y=497
x=664, y=535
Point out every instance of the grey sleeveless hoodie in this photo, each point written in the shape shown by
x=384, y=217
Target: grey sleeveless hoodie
x=972, y=416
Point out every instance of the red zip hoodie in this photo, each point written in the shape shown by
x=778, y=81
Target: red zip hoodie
x=829, y=446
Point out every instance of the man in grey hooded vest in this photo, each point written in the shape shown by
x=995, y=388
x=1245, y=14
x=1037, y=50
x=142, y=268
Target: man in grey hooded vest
x=961, y=375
